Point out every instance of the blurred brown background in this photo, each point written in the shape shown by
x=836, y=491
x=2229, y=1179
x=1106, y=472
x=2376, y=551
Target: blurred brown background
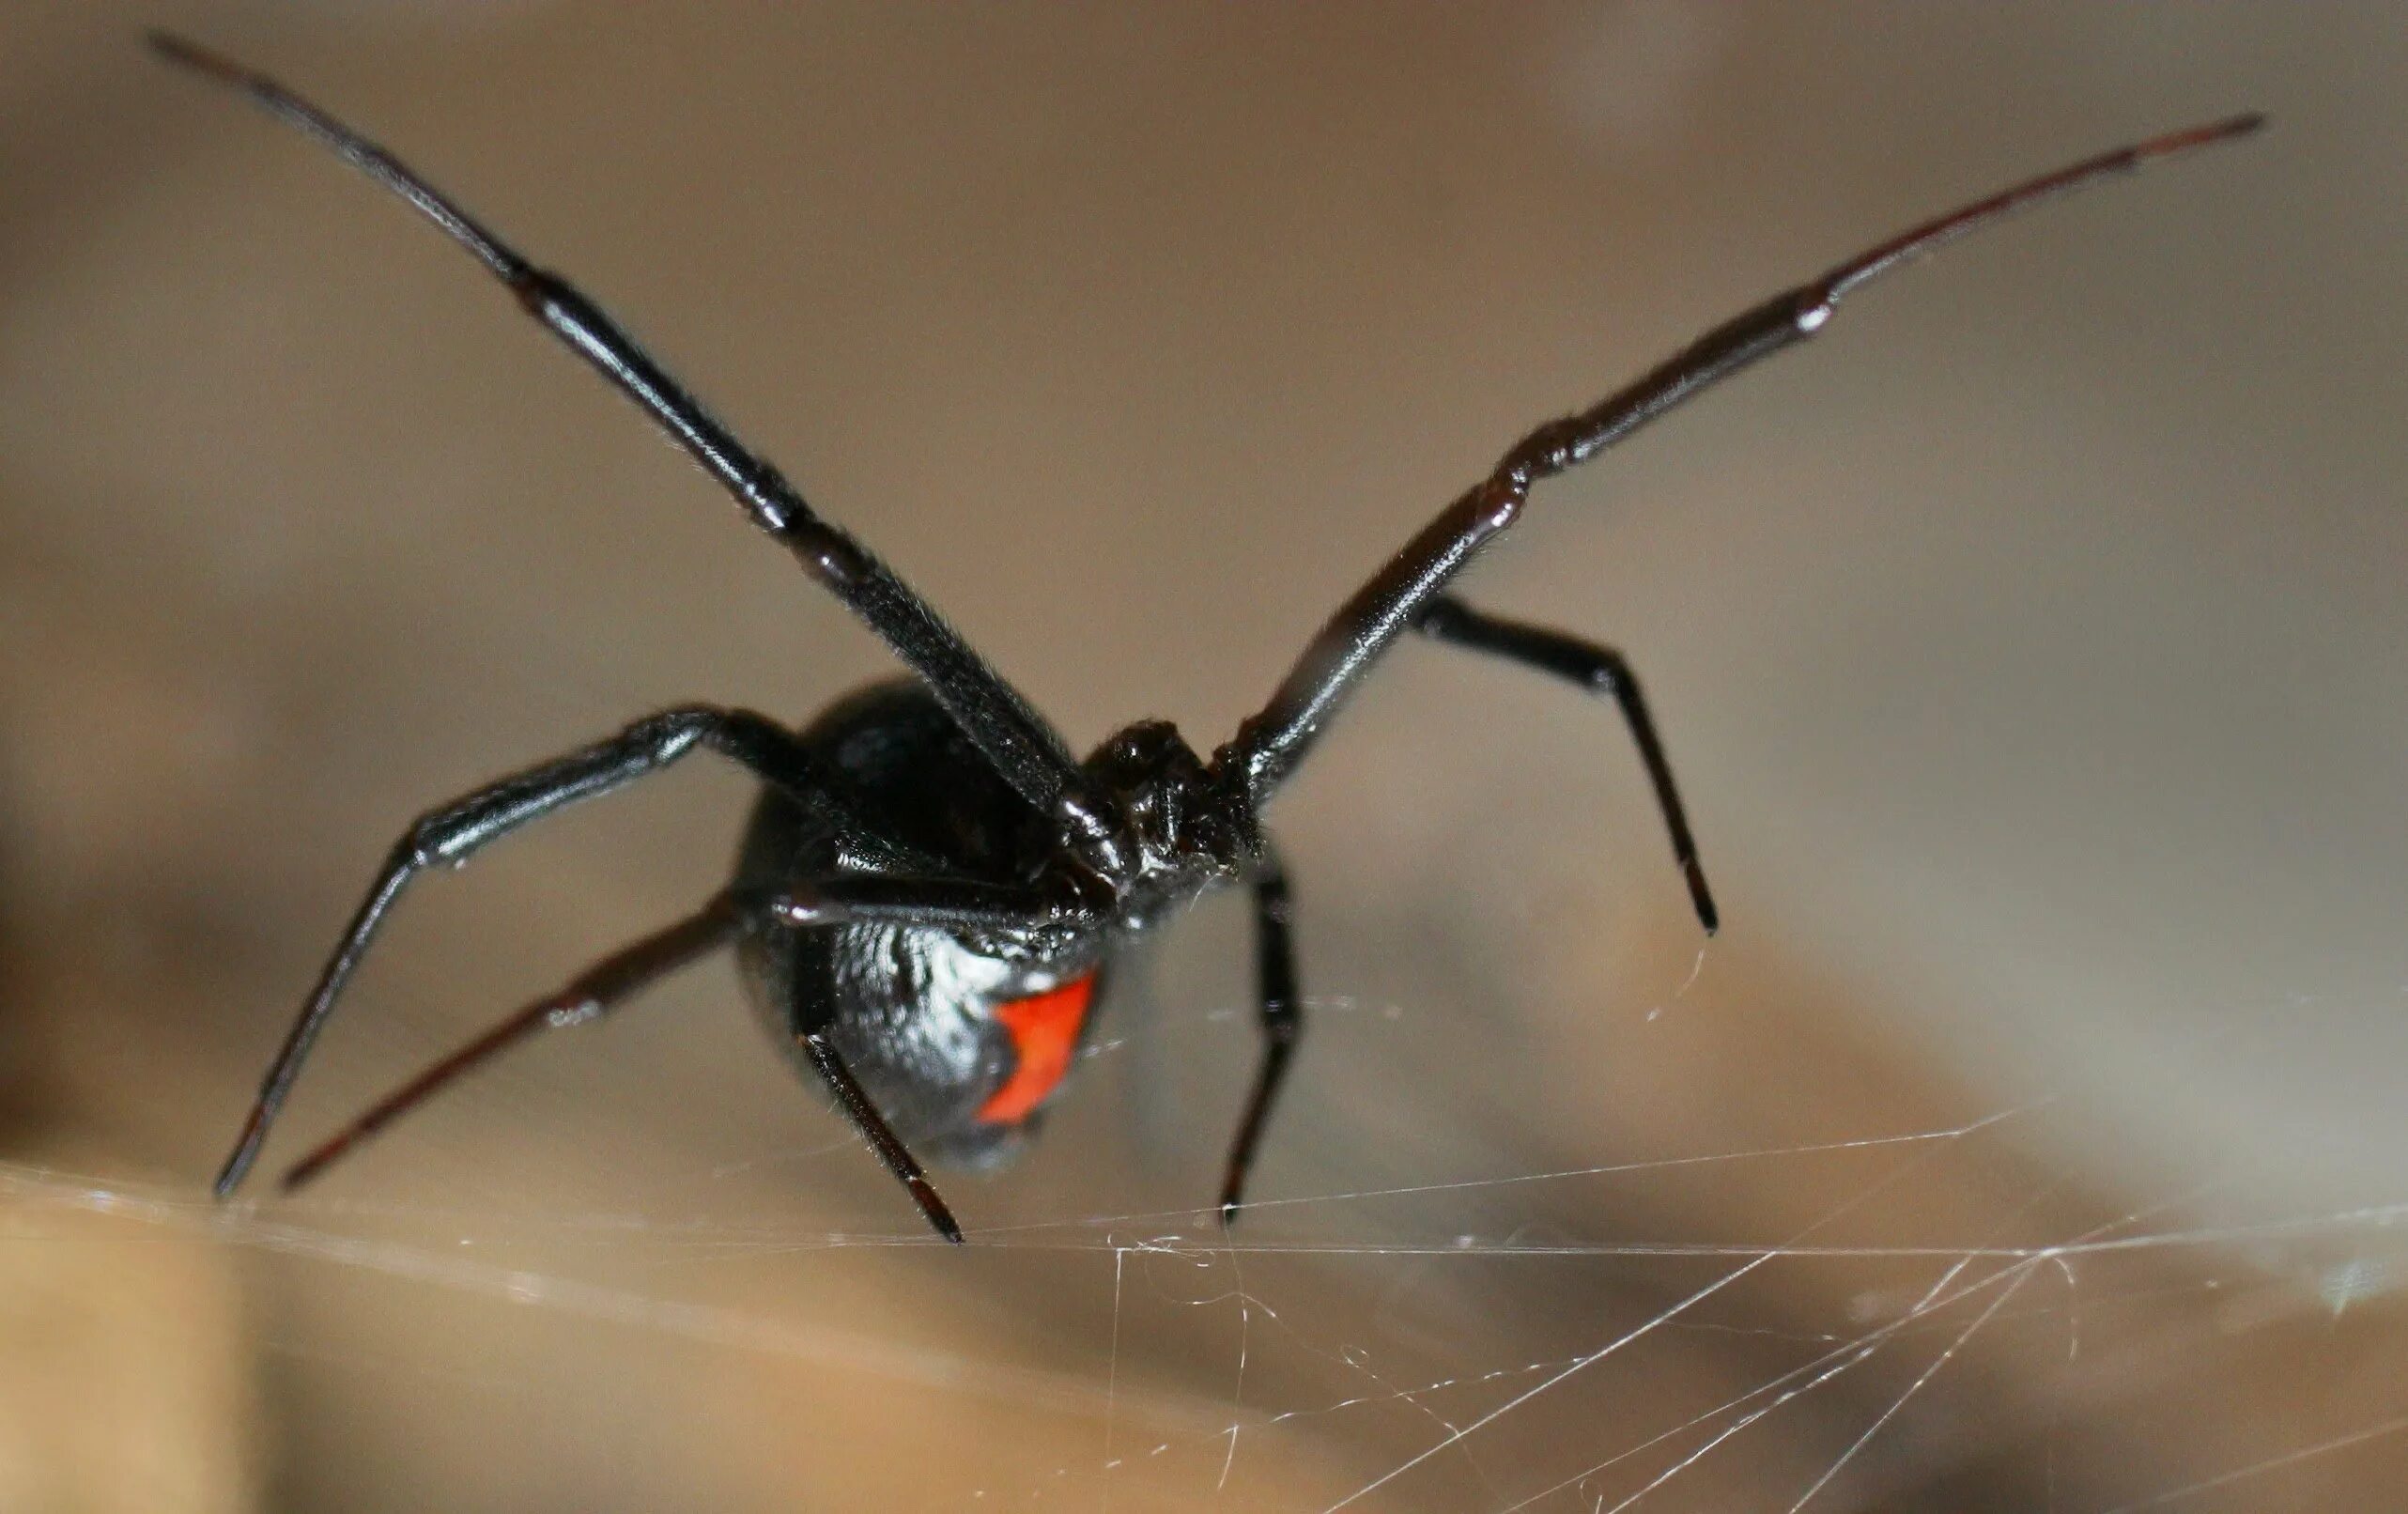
x=2028, y=649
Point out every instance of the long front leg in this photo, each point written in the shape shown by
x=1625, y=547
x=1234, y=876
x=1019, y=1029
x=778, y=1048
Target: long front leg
x=1600, y=670
x=999, y=722
x=451, y=835
x=1283, y=1022
x=1269, y=745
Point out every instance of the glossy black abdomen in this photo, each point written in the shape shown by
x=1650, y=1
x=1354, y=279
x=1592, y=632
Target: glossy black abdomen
x=909, y=1008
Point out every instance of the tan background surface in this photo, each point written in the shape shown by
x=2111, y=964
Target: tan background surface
x=2029, y=649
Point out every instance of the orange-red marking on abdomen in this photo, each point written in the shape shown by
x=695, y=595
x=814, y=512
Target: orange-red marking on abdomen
x=1044, y=1031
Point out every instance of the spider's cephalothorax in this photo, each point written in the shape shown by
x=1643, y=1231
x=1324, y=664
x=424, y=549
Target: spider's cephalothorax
x=932, y=890
x=1182, y=831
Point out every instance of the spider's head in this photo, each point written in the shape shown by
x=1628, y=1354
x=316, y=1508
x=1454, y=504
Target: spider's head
x=1182, y=837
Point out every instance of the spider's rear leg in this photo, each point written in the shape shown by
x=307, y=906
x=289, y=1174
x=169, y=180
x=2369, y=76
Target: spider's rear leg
x=1283, y=1022
x=604, y=986
x=452, y=834
x=589, y=996
x=1601, y=670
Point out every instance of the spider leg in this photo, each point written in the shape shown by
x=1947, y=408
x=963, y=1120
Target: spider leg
x=1283, y=1022
x=1270, y=743
x=601, y=987
x=873, y=1126
x=1028, y=754
x=1600, y=670
x=589, y=996
x=450, y=835
x=957, y=904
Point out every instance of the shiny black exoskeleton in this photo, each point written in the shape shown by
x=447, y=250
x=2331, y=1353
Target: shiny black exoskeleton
x=907, y=1009
x=931, y=889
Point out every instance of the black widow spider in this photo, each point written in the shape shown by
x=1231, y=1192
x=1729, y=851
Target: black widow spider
x=932, y=889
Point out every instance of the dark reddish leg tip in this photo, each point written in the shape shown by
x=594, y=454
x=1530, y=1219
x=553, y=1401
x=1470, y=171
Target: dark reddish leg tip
x=238, y=1162
x=938, y=1215
x=175, y=49
x=2223, y=131
x=1708, y=914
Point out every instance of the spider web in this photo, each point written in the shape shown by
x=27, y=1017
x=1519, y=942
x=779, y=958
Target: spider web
x=1504, y=1342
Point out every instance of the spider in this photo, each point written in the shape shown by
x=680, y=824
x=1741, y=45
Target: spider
x=933, y=889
